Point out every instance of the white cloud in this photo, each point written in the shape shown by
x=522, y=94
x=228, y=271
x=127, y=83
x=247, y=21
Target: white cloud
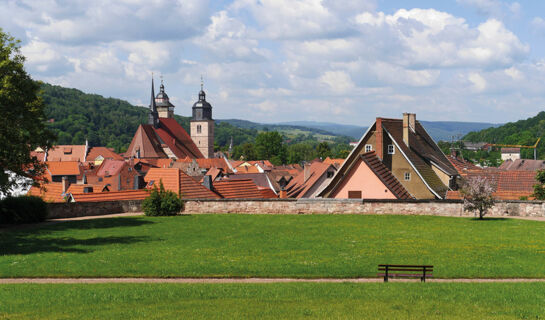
x=478, y=82
x=338, y=81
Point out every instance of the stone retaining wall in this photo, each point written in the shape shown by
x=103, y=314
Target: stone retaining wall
x=305, y=206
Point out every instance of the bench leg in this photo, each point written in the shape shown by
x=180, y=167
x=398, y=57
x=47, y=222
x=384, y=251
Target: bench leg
x=385, y=278
x=423, y=279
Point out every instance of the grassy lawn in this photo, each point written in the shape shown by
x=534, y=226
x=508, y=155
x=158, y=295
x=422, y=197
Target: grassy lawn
x=274, y=246
x=274, y=301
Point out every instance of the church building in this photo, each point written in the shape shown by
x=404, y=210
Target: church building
x=164, y=138
x=202, y=125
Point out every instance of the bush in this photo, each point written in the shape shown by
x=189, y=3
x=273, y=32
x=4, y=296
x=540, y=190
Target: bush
x=22, y=209
x=162, y=202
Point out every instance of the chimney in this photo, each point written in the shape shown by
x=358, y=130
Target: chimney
x=409, y=123
x=283, y=194
x=306, y=172
x=65, y=184
x=207, y=182
x=379, y=138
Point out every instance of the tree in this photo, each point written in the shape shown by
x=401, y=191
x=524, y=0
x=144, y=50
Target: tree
x=477, y=193
x=323, y=150
x=539, y=189
x=268, y=145
x=23, y=126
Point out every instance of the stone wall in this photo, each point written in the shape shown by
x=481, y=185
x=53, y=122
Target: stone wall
x=305, y=206
x=82, y=209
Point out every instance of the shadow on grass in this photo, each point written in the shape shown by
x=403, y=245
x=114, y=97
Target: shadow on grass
x=98, y=224
x=23, y=244
x=490, y=219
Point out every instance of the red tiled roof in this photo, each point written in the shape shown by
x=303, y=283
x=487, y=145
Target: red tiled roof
x=267, y=193
x=247, y=169
x=111, y=196
x=106, y=153
x=63, y=168
x=508, y=185
x=335, y=162
x=214, y=173
x=110, y=167
x=50, y=192
x=184, y=144
x=523, y=164
x=66, y=153
x=462, y=165
x=510, y=150
x=177, y=181
x=79, y=188
x=237, y=189
x=387, y=178
x=298, y=187
x=220, y=163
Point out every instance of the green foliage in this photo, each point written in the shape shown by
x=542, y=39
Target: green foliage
x=523, y=132
x=162, y=202
x=477, y=193
x=323, y=150
x=23, y=126
x=269, y=145
x=539, y=188
x=22, y=209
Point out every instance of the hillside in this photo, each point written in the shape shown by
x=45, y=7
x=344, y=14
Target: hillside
x=523, y=132
x=76, y=116
x=439, y=130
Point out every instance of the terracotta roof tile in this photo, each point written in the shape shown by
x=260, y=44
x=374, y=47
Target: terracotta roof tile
x=63, y=168
x=110, y=167
x=177, y=181
x=237, y=189
x=298, y=187
x=66, y=153
x=106, y=153
x=462, y=165
x=50, y=192
x=523, y=164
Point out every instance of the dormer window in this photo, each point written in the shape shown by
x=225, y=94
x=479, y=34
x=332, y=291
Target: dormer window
x=368, y=148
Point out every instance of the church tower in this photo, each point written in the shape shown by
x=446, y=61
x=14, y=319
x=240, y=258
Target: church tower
x=165, y=109
x=202, y=125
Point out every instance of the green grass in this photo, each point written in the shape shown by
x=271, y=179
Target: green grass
x=274, y=301
x=307, y=246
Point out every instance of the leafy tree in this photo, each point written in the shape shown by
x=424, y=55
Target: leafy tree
x=245, y=151
x=539, y=189
x=323, y=150
x=477, y=193
x=300, y=152
x=23, y=126
x=162, y=202
x=269, y=145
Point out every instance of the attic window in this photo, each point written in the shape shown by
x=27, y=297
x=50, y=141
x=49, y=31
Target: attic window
x=407, y=176
x=368, y=148
x=67, y=150
x=330, y=174
x=391, y=149
x=151, y=183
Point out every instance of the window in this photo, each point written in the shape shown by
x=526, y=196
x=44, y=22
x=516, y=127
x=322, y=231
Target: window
x=368, y=148
x=199, y=128
x=354, y=194
x=330, y=174
x=407, y=176
x=391, y=149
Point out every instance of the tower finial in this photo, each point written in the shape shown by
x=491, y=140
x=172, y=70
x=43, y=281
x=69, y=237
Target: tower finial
x=161, y=79
x=202, y=83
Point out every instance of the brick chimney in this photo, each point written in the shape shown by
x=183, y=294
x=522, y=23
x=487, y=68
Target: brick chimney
x=379, y=140
x=306, y=172
x=283, y=194
x=65, y=184
x=409, y=123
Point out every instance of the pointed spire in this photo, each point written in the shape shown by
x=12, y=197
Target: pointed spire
x=153, y=116
x=202, y=95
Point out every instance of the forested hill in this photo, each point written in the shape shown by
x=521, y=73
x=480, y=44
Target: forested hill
x=523, y=132
x=76, y=116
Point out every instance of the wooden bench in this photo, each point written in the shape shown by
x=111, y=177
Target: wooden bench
x=404, y=271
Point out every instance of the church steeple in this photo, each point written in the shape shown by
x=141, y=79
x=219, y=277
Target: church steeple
x=202, y=125
x=153, y=117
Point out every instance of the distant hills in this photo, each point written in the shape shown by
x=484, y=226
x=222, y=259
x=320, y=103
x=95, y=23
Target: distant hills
x=439, y=130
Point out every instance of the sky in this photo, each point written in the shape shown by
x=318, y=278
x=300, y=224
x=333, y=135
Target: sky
x=291, y=60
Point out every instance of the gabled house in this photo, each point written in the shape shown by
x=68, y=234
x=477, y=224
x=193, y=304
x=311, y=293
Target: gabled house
x=405, y=149
x=369, y=178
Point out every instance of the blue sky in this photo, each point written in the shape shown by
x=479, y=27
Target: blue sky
x=287, y=60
